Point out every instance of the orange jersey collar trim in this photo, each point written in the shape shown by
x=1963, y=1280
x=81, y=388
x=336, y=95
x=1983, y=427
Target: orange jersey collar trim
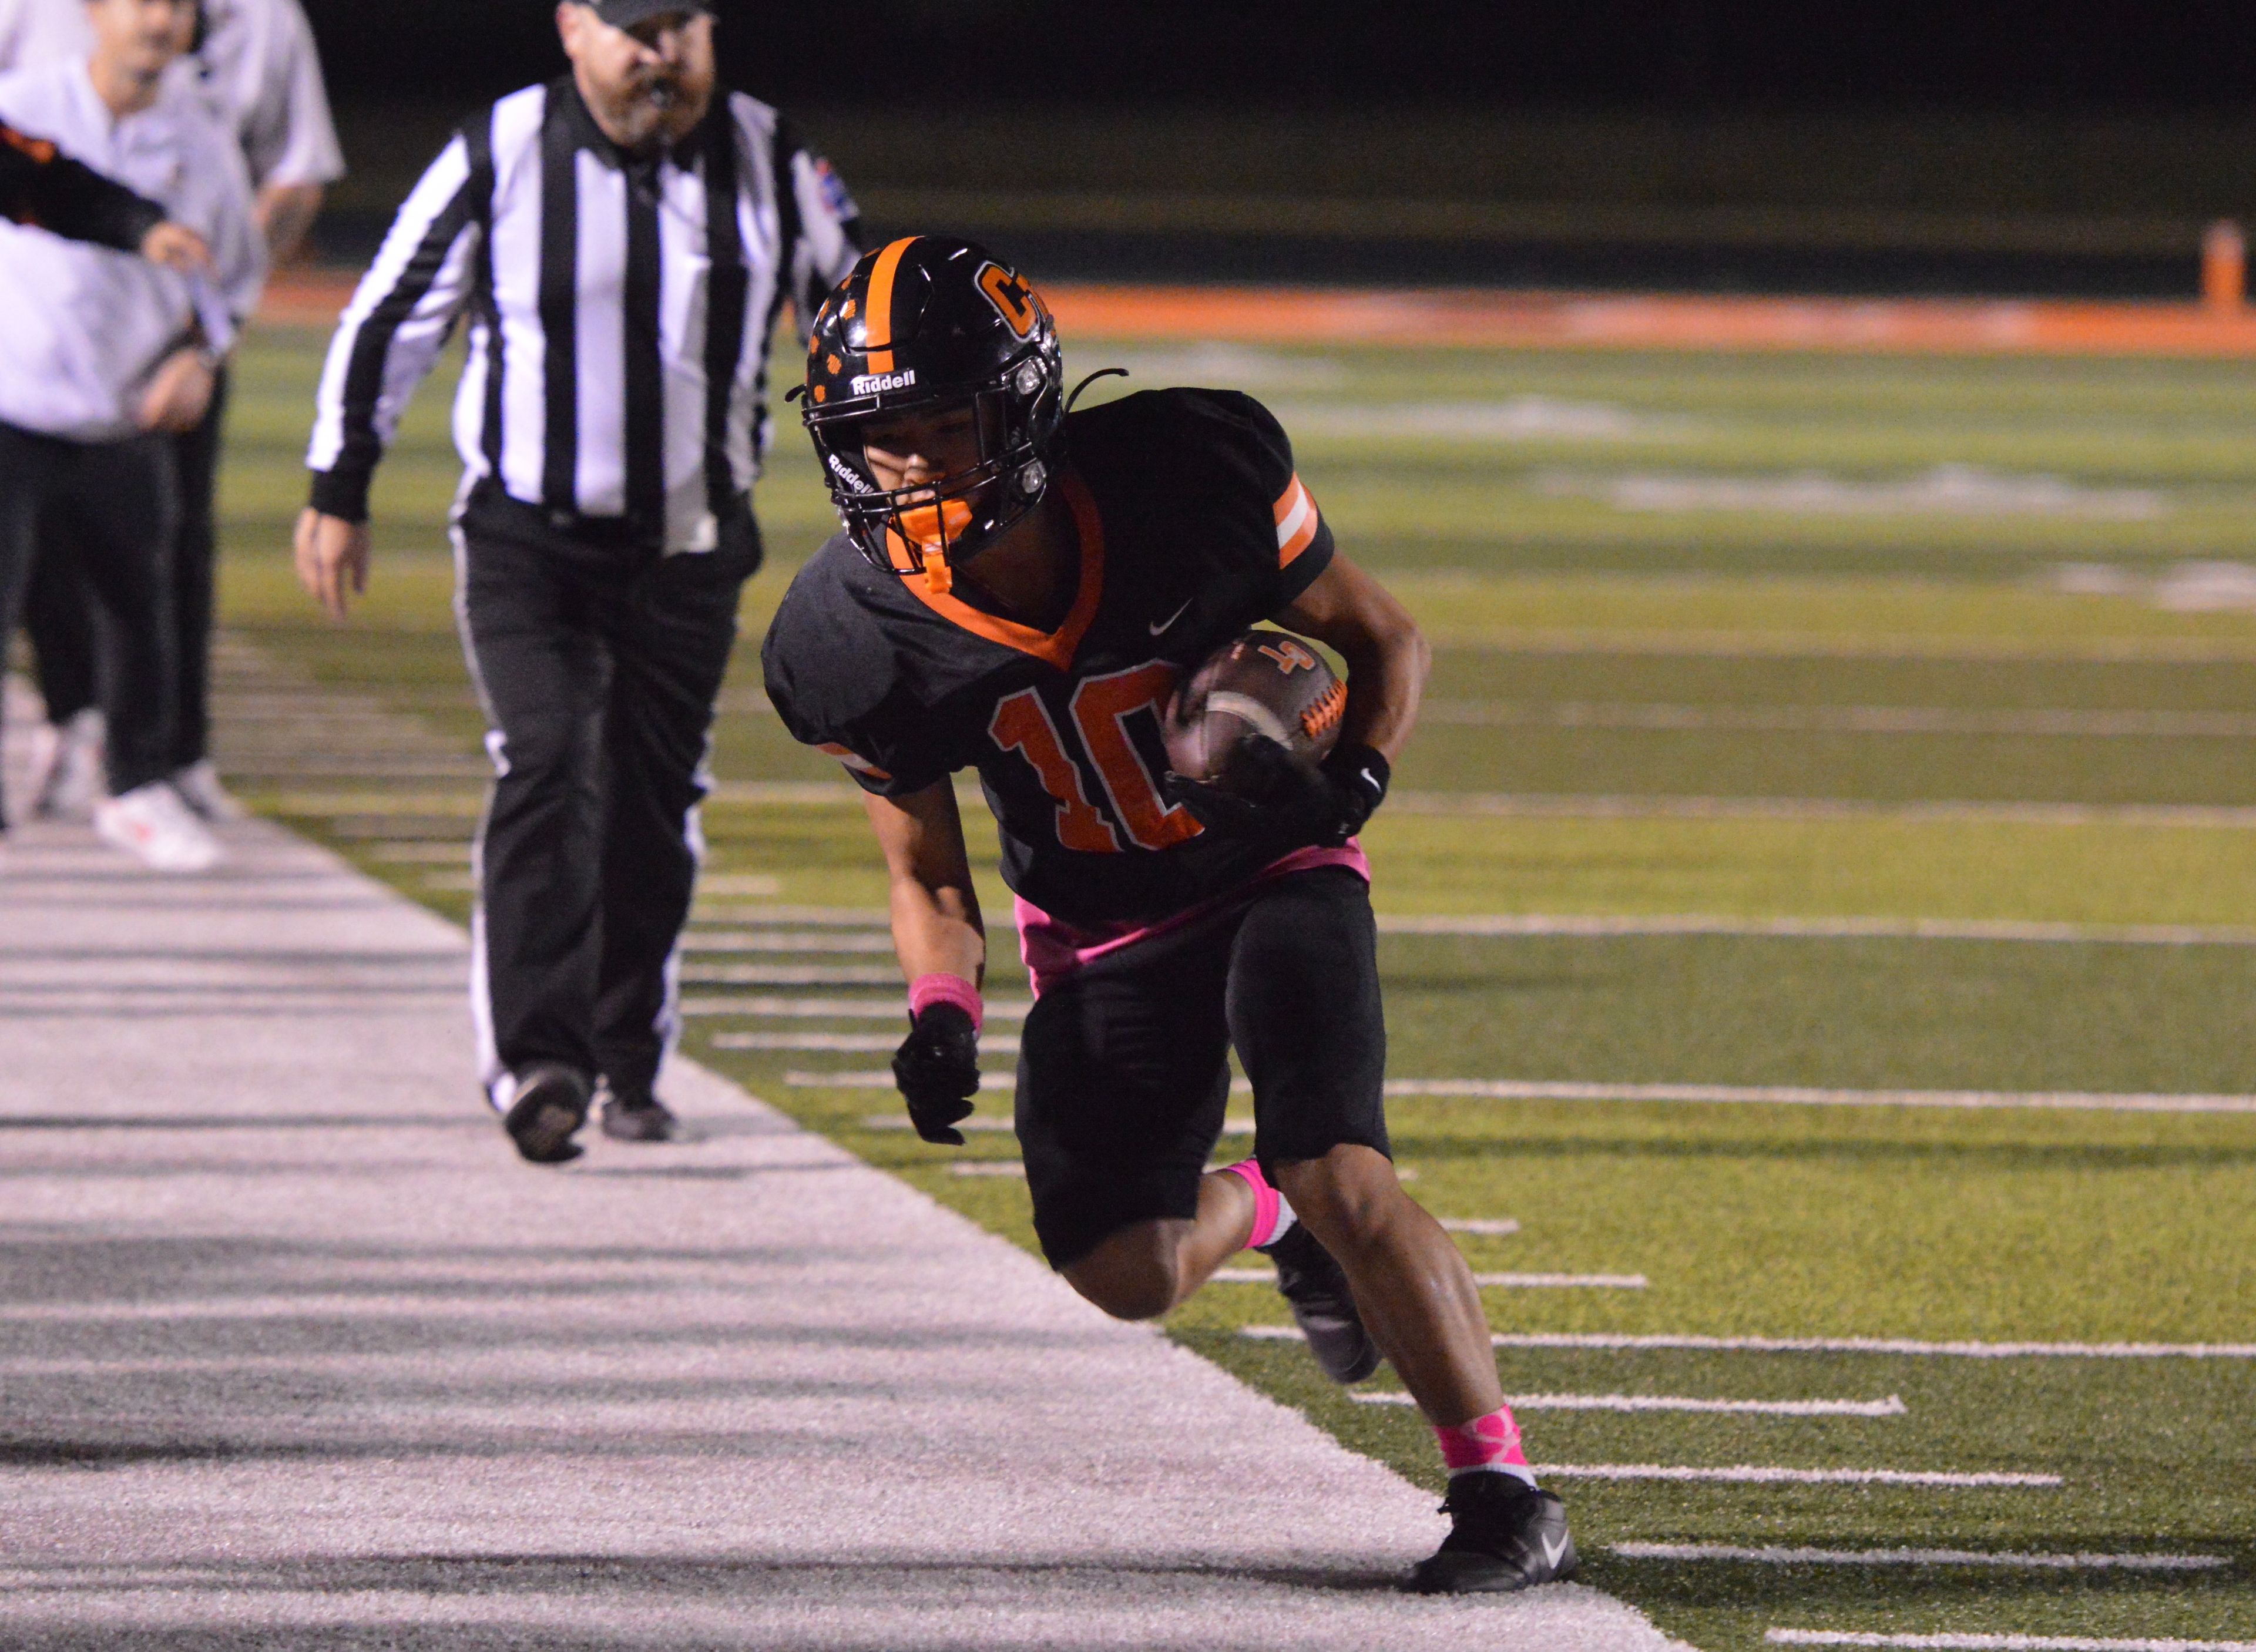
x=1053, y=648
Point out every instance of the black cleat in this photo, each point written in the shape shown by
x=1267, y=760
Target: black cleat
x=1508, y=1535
x=550, y=1106
x=640, y=1118
x=1312, y=1283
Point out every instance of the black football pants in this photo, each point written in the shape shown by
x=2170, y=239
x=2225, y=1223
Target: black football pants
x=109, y=509
x=599, y=665
x=59, y=610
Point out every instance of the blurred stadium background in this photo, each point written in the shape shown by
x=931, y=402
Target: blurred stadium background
x=1827, y=726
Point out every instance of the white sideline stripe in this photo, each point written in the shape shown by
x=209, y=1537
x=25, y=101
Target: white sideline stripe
x=1891, y=1407
x=999, y=1043
x=1848, y=1345
x=1920, y=1558
x=1997, y=1642
x=1579, y=925
x=1492, y=1227
x=767, y=914
x=1803, y=1096
x=988, y=1167
x=1756, y=1474
x=840, y=1009
x=1491, y=1281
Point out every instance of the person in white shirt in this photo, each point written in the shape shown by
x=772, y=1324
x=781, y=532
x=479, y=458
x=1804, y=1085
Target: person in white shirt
x=256, y=62
x=104, y=360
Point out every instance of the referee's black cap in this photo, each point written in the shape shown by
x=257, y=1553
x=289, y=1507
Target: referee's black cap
x=625, y=14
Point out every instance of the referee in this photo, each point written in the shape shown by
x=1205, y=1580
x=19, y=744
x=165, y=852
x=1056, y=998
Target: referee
x=623, y=240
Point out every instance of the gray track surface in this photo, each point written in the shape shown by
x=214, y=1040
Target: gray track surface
x=294, y=1353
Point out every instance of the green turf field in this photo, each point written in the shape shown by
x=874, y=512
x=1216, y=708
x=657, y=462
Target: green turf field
x=1963, y=650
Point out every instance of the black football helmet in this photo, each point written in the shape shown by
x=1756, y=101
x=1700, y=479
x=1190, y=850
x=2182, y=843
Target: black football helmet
x=932, y=321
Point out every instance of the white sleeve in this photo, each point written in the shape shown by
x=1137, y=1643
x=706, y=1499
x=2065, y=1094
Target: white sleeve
x=295, y=141
x=390, y=336
x=830, y=235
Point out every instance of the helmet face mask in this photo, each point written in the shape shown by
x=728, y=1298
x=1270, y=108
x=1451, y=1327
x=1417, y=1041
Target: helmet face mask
x=959, y=330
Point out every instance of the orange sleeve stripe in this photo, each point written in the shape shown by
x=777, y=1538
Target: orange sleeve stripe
x=1297, y=522
x=881, y=305
x=853, y=761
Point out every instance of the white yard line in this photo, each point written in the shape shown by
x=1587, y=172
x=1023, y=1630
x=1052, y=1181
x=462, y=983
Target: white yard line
x=1574, y=806
x=1487, y=1227
x=862, y=1043
x=1891, y=1407
x=1805, y=1096
x=838, y=1009
x=1838, y=719
x=1999, y=1643
x=2005, y=1559
x=788, y=975
x=784, y=941
x=1578, y=926
x=1490, y=1281
x=1758, y=1474
x=1848, y=1345
x=988, y=1167
x=973, y=1126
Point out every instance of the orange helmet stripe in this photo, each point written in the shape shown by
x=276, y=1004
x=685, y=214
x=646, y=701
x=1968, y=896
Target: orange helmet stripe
x=881, y=305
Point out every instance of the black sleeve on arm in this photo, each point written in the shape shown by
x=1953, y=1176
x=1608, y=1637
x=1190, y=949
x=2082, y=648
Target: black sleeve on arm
x=39, y=186
x=1277, y=537
x=829, y=671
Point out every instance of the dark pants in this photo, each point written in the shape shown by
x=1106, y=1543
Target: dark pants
x=109, y=511
x=59, y=611
x=599, y=664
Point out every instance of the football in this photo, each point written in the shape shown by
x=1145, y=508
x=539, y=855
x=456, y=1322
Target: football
x=1266, y=682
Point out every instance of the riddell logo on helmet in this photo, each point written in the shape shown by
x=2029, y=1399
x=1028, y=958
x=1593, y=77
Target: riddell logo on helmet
x=871, y=384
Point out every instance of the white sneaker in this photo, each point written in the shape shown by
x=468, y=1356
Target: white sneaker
x=200, y=788
x=66, y=767
x=152, y=824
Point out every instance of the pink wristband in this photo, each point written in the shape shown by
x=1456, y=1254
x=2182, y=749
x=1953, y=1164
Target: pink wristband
x=929, y=990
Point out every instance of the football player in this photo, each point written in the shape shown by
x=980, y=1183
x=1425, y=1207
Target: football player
x=1018, y=589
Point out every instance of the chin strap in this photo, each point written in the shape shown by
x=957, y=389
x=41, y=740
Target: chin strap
x=939, y=578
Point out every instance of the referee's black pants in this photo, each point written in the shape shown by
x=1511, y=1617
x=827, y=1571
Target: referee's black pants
x=59, y=609
x=109, y=509
x=599, y=663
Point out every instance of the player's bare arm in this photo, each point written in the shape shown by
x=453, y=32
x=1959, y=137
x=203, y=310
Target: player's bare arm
x=943, y=946
x=935, y=911
x=1388, y=659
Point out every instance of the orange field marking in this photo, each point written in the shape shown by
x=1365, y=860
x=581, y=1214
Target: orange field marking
x=1566, y=320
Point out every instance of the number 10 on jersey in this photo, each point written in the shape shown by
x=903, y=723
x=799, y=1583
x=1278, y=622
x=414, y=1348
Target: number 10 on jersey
x=1102, y=708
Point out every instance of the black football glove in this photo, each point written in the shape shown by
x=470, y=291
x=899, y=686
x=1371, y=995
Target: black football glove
x=1272, y=796
x=937, y=1068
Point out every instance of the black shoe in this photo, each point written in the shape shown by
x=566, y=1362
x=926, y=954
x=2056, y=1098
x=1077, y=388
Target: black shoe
x=1507, y=1536
x=1312, y=1283
x=640, y=1118
x=550, y=1106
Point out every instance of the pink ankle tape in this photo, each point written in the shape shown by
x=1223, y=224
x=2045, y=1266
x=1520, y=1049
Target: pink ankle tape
x=1486, y=1441
x=1266, y=1202
x=929, y=990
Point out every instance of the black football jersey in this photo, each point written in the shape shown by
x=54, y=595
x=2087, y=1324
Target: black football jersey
x=1193, y=526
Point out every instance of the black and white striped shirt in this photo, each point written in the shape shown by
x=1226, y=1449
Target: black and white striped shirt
x=620, y=311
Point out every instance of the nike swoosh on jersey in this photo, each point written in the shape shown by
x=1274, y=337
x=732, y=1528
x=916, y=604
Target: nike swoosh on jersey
x=1168, y=622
